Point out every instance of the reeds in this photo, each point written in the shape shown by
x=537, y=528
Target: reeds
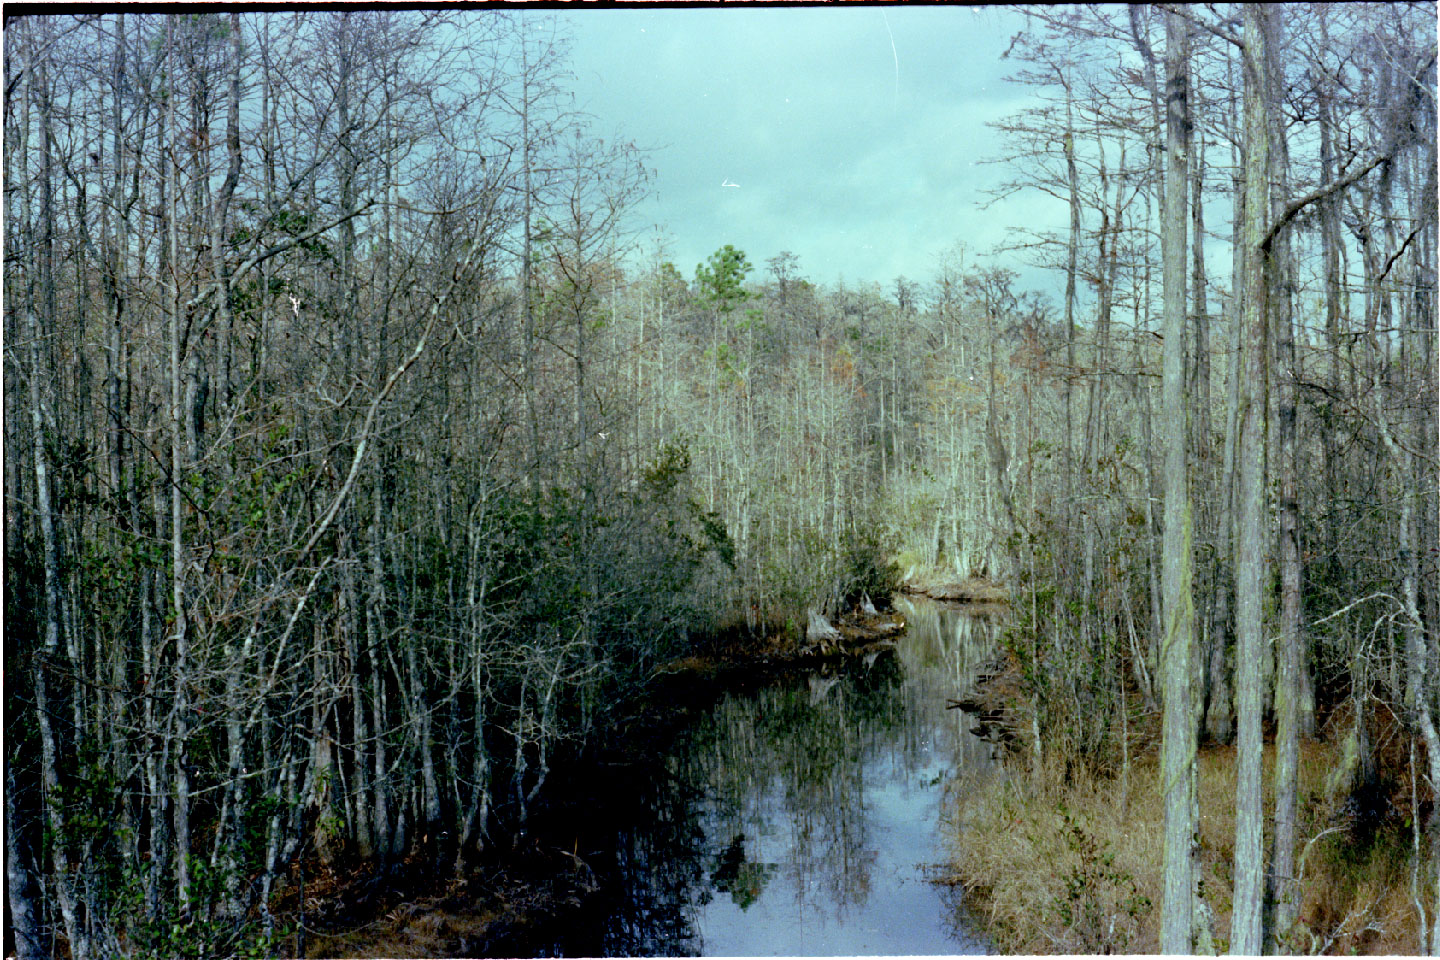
x=1052, y=862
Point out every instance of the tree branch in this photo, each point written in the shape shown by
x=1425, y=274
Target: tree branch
x=1184, y=14
x=211, y=288
x=367, y=427
x=1319, y=193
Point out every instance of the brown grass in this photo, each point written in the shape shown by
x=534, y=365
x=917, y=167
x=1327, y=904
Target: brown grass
x=427, y=930
x=1056, y=867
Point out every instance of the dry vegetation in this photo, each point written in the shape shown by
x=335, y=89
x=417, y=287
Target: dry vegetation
x=1050, y=866
x=496, y=909
x=427, y=933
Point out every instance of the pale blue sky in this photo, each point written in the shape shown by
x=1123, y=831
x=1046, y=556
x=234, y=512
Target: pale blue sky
x=860, y=157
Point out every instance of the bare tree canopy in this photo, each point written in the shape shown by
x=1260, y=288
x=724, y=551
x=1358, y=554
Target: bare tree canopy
x=364, y=467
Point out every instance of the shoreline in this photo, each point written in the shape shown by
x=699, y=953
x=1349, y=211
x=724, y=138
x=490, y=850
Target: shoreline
x=495, y=906
x=1065, y=860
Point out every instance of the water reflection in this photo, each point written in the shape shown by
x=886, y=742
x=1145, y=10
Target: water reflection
x=795, y=819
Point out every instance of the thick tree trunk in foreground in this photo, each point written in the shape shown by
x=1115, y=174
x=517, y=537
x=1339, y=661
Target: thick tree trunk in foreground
x=1289, y=659
x=1177, y=649
x=1249, y=870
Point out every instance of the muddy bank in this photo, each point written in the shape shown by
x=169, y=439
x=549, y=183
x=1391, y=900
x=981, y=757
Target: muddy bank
x=976, y=590
x=996, y=701
x=424, y=915
x=741, y=654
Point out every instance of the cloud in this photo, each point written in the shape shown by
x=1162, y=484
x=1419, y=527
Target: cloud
x=835, y=162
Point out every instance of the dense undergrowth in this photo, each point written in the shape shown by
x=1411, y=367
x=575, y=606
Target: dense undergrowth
x=1063, y=858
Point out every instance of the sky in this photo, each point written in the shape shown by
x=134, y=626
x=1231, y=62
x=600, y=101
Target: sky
x=852, y=137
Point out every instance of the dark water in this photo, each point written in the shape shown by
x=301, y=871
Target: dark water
x=795, y=819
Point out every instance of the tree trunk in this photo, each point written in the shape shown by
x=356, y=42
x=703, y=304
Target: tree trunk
x=1284, y=892
x=1249, y=869
x=1331, y=245
x=375, y=637
x=19, y=877
x=1072, y=251
x=1177, y=650
x=180, y=433
x=1218, y=702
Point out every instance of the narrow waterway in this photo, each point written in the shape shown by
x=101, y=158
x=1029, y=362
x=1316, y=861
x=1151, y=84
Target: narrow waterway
x=799, y=818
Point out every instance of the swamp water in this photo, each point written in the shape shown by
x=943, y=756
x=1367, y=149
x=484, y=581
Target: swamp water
x=799, y=818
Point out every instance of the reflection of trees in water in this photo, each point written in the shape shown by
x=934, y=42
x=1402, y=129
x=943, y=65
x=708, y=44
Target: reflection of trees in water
x=797, y=754
x=659, y=868
x=652, y=867
x=741, y=878
x=954, y=642
x=780, y=774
